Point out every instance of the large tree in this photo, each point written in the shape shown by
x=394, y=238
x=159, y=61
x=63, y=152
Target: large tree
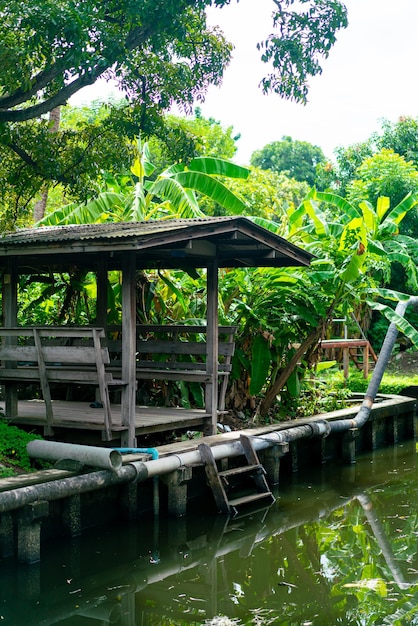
x=159, y=52
x=298, y=159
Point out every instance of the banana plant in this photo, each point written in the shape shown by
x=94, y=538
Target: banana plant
x=173, y=194
x=354, y=248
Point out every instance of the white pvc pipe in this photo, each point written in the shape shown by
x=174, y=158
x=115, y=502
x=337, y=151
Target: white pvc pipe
x=165, y=465
x=93, y=456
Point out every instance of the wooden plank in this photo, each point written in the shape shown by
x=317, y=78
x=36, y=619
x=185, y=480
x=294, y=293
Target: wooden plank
x=212, y=475
x=18, y=353
x=195, y=348
x=80, y=416
x=343, y=343
x=252, y=459
x=46, y=392
x=18, y=374
x=53, y=354
x=182, y=375
x=51, y=331
x=104, y=391
x=183, y=328
x=251, y=498
x=212, y=358
x=129, y=348
x=152, y=346
x=74, y=354
x=244, y=469
x=57, y=374
x=177, y=366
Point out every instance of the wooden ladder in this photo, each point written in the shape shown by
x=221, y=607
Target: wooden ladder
x=223, y=482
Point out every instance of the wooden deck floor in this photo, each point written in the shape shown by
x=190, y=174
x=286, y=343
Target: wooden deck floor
x=80, y=416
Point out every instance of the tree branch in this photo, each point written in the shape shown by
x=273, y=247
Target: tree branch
x=135, y=38
x=38, y=82
x=60, y=98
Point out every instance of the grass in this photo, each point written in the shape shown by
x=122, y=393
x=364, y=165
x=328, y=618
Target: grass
x=391, y=383
x=14, y=458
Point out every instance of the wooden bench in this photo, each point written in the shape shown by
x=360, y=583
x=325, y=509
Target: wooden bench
x=57, y=355
x=349, y=348
x=177, y=352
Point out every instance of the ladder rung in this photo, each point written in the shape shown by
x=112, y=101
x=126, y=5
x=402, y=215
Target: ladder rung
x=245, y=469
x=252, y=498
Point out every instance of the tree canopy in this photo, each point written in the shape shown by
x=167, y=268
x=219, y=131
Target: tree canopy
x=158, y=52
x=298, y=159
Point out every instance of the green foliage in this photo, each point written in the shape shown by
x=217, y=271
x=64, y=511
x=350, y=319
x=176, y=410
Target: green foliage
x=184, y=138
x=391, y=383
x=159, y=54
x=267, y=194
x=13, y=453
x=260, y=364
x=383, y=174
x=297, y=159
x=354, y=248
x=348, y=160
x=57, y=299
x=316, y=395
x=173, y=193
x=401, y=137
x=302, y=37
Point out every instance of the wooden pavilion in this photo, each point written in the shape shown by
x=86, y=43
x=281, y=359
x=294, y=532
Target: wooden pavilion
x=51, y=356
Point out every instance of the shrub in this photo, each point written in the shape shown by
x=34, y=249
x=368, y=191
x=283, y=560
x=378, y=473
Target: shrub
x=356, y=383
x=13, y=453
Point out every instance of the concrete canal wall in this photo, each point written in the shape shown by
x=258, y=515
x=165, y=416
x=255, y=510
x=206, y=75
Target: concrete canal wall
x=63, y=502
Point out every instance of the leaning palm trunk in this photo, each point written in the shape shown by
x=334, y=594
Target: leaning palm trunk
x=311, y=340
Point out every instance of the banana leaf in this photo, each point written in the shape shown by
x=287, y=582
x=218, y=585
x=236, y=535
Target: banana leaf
x=260, y=364
x=218, y=167
x=402, y=324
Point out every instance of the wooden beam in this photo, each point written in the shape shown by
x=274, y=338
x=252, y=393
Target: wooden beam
x=211, y=395
x=128, y=349
x=101, y=298
x=10, y=319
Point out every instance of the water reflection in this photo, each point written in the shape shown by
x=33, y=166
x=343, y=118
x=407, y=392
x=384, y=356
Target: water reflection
x=339, y=547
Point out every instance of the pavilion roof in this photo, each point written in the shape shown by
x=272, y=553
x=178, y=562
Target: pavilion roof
x=233, y=241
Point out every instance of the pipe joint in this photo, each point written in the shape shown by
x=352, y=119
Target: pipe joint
x=320, y=429
x=141, y=472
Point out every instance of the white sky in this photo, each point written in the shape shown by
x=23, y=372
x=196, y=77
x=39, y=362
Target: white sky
x=370, y=74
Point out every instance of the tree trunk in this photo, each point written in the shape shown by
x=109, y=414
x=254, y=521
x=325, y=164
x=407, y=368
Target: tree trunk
x=280, y=382
x=40, y=206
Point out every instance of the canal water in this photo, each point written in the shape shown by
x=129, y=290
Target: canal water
x=339, y=546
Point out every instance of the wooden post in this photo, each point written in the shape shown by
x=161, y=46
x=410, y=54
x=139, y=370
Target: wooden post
x=346, y=360
x=101, y=299
x=366, y=360
x=128, y=438
x=46, y=392
x=10, y=320
x=211, y=394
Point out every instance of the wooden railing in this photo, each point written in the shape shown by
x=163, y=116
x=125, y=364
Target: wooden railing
x=57, y=355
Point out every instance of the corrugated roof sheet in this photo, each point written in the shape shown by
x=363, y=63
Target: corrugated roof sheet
x=107, y=230
x=234, y=241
